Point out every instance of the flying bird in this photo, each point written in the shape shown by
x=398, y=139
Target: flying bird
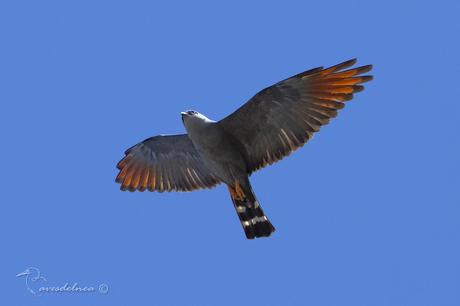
x=274, y=123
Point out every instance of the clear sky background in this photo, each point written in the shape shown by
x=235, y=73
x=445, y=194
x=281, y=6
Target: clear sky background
x=367, y=213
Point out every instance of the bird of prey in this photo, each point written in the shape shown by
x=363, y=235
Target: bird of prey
x=275, y=122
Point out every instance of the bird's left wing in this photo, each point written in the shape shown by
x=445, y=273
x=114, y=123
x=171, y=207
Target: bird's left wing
x=164, y=163
x=283, y=117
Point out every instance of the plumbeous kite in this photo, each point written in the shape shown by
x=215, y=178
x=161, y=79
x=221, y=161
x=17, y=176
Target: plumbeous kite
x=275, y=122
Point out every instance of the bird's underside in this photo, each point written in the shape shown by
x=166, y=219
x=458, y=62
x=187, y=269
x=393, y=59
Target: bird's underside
x=271, y=125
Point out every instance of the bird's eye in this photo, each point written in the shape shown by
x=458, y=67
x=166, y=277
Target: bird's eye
x=192, y=112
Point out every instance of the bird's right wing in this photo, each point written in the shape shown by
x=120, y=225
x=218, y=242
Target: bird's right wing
x=164, y=163
x=283, y=117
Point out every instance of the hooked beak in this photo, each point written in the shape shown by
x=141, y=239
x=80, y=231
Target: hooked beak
x=184, y=114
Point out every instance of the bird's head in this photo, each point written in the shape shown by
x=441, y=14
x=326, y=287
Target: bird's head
x=30, y=271
x=193, y=118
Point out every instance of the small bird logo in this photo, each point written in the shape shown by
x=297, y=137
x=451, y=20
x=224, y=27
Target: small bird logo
x=32, y=275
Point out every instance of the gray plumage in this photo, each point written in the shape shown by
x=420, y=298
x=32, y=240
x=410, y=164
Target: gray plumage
x=271, y=125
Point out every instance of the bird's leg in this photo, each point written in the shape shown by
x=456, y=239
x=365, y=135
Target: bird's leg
x=239, y=191
x=236, y=192
x=232, y=192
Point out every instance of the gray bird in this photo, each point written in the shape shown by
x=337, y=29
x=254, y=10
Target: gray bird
x=275, y=122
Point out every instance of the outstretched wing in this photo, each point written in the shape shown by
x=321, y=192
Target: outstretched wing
x=281, y=118
x=164, y=163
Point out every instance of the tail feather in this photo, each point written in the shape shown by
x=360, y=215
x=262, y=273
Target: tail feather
x=253, y=219
x=255, y=222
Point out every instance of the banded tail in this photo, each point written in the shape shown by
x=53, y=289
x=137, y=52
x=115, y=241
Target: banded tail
x=252, y=217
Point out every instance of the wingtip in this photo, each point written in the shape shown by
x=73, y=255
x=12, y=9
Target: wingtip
x=120, y=165
x=340, y=66
x=351, y=61
x=364, y=69
x=366, y=78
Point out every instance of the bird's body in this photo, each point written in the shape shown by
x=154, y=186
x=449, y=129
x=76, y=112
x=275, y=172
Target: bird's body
x=210, y=140
x=271, y=125
x=223, y=155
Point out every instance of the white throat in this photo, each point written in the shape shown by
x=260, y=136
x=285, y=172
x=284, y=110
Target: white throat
x=197, y=123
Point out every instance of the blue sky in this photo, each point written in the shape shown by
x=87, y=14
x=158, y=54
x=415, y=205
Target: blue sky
x=367, y=213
